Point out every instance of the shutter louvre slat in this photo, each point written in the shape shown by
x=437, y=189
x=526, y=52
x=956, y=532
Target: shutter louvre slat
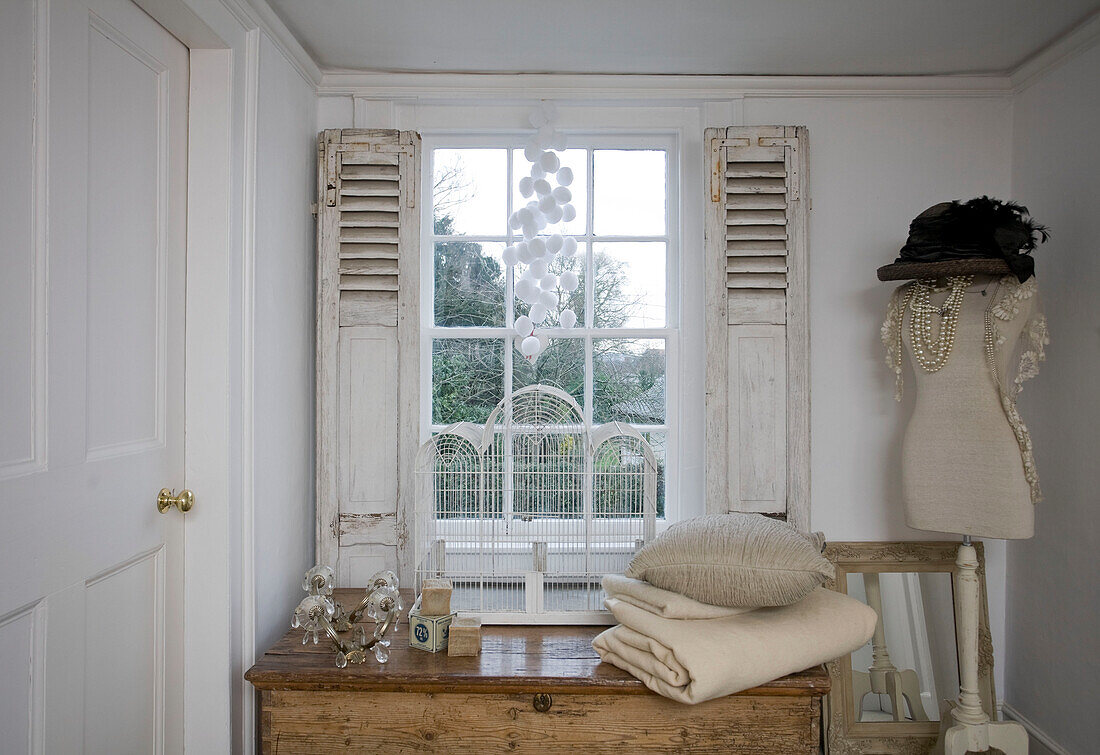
x=756, y=186
x=741, y=216
x=756, y=265
x=755, y=232
x=755, y=247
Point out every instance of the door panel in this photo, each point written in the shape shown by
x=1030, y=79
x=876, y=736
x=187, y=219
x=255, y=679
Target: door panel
x=126, y=238
x=92, y=600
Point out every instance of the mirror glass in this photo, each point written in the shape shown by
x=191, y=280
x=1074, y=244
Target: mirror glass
x=910, y=664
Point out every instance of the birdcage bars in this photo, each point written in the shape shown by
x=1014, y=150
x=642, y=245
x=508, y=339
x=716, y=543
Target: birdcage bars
x=526, y=513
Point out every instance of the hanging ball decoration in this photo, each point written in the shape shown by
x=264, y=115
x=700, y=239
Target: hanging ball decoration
x=531, y=152
x=564, y=176
x=569, y=281
x=562, y=195
x=526, y=185
x=523, y=253
x=530, y=231
x=540, y=221
x=567, y=318
x=559, y=142
x=547, y=203
x=538, y=268
x=569, y=246
x=568, y=212
x=529, y=347
x=524, y=326
x=525, y=216
x=538, y=118
x=538, y=312
x=555, y=214
x=549, y=162
x=514, y=222
x=527, y=291
x=548, y=282
x=548, y=299
x=554, y=243
x=509, y=256
x=537, y=247
x=542, y=187
x=537, y=172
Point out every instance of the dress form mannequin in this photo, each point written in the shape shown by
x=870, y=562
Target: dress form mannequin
x=967, y=466
x=961, y=468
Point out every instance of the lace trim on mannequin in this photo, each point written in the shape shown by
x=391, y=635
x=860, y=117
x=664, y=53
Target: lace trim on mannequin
x=1033, y=340
x=1004, y=307
x=891, y=334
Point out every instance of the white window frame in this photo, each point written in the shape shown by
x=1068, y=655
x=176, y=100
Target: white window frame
x=667, y=140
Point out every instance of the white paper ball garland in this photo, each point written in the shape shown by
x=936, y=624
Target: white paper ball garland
x=549, y=203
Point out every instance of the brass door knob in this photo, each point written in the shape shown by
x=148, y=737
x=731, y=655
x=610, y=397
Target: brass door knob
x=184, y=501
x=542, y=702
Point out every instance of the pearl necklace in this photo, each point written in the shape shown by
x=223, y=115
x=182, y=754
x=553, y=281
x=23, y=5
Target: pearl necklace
x=932, y=353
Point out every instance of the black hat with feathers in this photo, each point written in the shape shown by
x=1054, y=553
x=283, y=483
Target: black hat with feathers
x=982, y=235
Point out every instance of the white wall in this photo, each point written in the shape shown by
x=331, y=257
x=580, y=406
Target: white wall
x=876, y=161
x=283, y=295
x=1053, y=596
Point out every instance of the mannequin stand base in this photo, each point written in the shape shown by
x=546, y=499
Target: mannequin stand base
x=1003, y=736
x=1006, y=737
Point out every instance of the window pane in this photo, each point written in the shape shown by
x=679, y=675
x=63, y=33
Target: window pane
x=574, y=159
x=629, y=192
x=468, y=187
x=467, y=379
x=469, y=284
x=565, y=299
x=630, y=285
x=628, y=380
x=561, y=365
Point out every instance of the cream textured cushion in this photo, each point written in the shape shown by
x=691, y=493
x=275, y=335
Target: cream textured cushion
x=692, y=660
x=741, y=560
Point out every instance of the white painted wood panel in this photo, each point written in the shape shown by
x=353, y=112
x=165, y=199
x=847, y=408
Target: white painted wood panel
x=757, y=418
x=127, y=233
x=123, y=690
x=367, y=348
x=17, y=668
x=756, y=322
x=359, y=562
x=22, y=266
x=368, y=420
x=91, y=606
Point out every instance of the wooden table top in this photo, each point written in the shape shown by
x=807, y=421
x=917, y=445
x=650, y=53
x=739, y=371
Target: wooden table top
x=513, y=659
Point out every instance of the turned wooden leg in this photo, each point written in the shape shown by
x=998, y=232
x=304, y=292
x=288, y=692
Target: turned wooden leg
x=973, y=731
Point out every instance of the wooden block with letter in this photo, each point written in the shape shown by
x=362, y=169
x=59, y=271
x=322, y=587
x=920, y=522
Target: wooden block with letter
x=539, y=689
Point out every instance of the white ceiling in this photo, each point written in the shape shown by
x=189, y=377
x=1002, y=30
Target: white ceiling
x=780, y=37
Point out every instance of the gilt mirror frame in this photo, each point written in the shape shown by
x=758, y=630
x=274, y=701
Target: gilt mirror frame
x=845, y=735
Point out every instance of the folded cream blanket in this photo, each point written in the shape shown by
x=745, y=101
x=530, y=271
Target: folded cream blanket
x=663, y=603
x=692, y=660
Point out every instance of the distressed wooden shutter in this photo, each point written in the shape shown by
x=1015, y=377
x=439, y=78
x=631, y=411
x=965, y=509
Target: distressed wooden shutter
x=368, y=242
x=757, y=393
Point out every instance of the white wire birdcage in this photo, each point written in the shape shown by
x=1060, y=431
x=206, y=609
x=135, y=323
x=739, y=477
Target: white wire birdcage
x=526, y=514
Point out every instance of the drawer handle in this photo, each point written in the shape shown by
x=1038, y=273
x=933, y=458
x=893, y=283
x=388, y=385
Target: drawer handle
x=542, y=702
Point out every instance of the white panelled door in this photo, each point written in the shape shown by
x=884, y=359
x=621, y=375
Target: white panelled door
x=91, y=593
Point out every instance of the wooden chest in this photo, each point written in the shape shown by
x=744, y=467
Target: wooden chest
x=532, y=689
